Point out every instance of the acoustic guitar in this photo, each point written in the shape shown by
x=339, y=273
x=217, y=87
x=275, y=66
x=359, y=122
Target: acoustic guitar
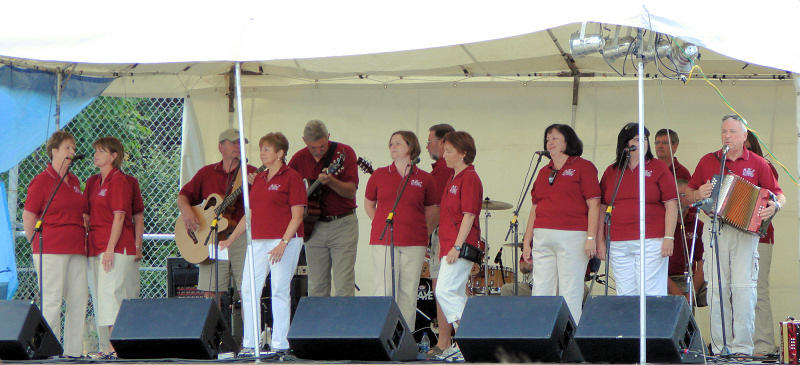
x=314, y=194
x=193, y=246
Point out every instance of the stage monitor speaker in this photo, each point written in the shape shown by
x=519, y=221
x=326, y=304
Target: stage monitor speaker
x=351, y=328
x=24, y=334
x=187, y=328
x=517, y=329
x=609, y=330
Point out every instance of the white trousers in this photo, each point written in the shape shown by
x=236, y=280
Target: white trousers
x=625, y=258
x=559, y=266
x=764, y=336
x=407, y=269
x=451, y=288
x=65, y=277
x=738, y=262
x=282, y=273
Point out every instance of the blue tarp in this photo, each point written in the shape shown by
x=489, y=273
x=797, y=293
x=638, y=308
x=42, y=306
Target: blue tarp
x=28, y=104
x=8, y=264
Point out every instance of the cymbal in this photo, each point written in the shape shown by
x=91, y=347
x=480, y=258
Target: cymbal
x=495, y=205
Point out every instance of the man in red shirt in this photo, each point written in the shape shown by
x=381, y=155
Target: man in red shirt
x=441, y=176
x=217, y=178
x=738, y=250
x=666, y=143
x=331, y=245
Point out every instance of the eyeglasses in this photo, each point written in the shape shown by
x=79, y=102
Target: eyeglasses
x=433, y=140
x=552, y=177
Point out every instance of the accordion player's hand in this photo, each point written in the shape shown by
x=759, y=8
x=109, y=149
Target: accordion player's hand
x=704, y=191
x=769, y=210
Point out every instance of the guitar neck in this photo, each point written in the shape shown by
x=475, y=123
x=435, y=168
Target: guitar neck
x=313, y=187
x=233, y=196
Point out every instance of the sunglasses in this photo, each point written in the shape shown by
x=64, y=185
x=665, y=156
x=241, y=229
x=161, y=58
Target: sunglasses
x=552, y=177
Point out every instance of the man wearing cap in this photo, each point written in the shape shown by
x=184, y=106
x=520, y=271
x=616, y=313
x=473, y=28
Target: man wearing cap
x=217, y=178
x=331, y=245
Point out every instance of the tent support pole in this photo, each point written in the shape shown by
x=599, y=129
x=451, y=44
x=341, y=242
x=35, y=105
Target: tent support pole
x=642, y=294
x=576, y=83
x=796, y=78
x=246, y=197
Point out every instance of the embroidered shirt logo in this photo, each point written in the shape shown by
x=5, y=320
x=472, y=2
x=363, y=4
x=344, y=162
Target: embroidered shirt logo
x=417, y=183
x=76, y=189
x=569, y=172
x=102, y=192
x=274, y=187
x=749, y=172
x=648, y=173
x=454, y=190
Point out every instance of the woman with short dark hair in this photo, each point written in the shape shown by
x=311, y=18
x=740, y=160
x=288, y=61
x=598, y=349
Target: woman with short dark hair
x=661, y=213
x=560, y=234
x=461, y=203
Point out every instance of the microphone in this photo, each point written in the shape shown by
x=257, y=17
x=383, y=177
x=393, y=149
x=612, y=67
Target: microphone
x=78, y=157
x=725, y=149
x=543, y=153
x=498, y=258
x=701, y=202
x=594, y=264
x=415, y=160
x=630, y=148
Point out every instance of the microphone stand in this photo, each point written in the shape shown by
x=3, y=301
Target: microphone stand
x=690, y=270
x=513, y=226
x=390, y=224
x=715, y=245
x=37, y=229
x=624, y=166
x=214, y=233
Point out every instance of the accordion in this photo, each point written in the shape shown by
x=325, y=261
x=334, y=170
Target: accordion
x=740, y=203
x=790, y=334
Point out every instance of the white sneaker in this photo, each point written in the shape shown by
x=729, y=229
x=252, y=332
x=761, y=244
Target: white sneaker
x=451, y=354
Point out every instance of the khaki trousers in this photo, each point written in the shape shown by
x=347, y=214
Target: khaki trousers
x=65, y=277
x=331, y=252
x=229, y=270
x=407, y=269
x=764, y=335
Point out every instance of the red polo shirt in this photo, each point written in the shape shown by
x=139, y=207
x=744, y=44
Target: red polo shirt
x=212, y=179
x=138, y=203
x=748, y=166
x=441, y=175
x=659, y=188
x=272, y=201
x=464, y=194
x=332, y=203
x=770, y=237
x=562, y=205
x=63, y=231
x=681, y=172
x=410, y=228
x=113, y=195
x=677, y=262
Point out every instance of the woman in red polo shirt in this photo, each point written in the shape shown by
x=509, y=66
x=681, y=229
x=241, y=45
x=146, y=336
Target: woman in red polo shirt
x=277, y=200
x=412, y=222
x=111, y=234
x=63, y=242
x=566, y=200
x=461, y=203
x=661, y=213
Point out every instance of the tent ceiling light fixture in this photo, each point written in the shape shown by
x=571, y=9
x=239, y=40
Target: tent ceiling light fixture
x=618, y=49
x=588, y=44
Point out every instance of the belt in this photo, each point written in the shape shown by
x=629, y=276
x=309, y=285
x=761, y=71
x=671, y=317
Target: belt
x=331, y=218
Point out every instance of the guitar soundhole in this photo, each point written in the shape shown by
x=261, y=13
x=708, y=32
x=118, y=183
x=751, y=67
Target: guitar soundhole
x=210, y=203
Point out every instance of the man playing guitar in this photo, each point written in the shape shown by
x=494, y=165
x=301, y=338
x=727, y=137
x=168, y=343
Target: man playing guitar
x=218, y=178
x=331, y=246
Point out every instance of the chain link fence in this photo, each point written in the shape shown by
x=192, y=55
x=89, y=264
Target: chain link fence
x=150, y=130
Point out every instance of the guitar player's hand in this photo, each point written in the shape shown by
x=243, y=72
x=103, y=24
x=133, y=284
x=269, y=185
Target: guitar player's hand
x=225, y=244
x=324, y=178
x=190, y=222
x=251, y=177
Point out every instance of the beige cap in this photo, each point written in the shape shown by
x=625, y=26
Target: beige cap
x=230, y=135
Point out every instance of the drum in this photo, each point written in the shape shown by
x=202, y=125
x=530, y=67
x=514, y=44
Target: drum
x=497, y=277
x=426, y=311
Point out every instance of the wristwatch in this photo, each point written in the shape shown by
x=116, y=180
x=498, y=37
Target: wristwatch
x=458, y=248
x=285, y=241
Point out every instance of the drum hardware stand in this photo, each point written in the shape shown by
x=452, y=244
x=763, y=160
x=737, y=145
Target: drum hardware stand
x=486, y=216
x=513, y=226
x=390, y=224
x=626, y=156
x=714, y=243
x=37, y=229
